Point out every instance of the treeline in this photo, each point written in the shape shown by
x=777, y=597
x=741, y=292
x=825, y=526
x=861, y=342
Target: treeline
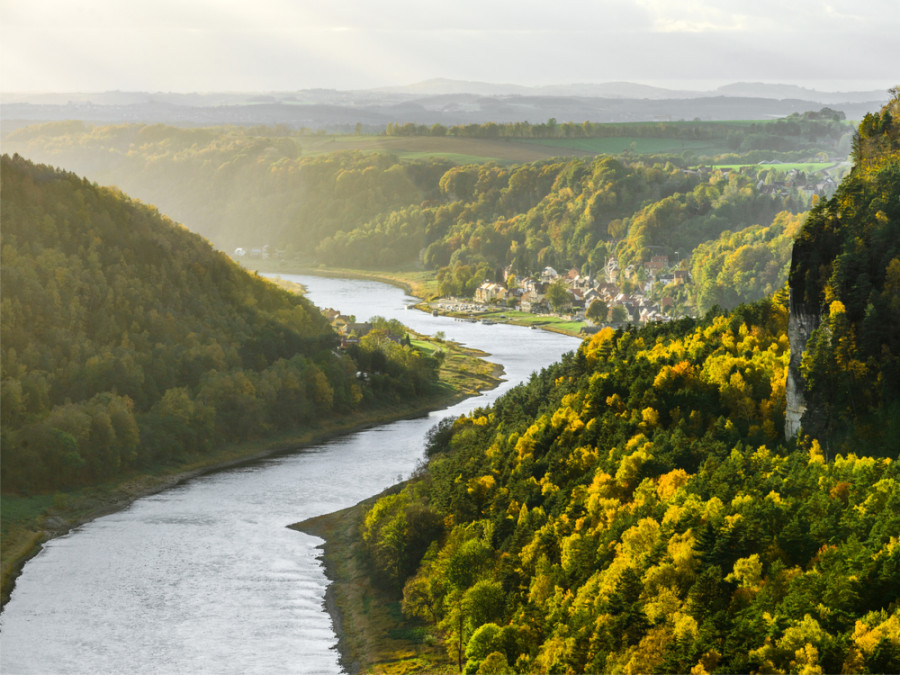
x=738, y=267
x=128, y=341
x=635, y=508
x=798, y=130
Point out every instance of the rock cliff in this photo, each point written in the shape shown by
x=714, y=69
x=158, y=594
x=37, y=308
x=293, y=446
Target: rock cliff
x=801, y=323
x=845, y=276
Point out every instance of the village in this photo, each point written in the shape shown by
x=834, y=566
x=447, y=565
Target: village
x=637, y=294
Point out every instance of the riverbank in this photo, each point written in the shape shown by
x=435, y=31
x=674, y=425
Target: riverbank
x=466, y=311
x=424, y=286
x=373, y=635
x=29, y=522
x=420, y=283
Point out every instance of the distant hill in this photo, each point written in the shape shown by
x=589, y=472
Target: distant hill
x=461, y=103
x=634, y=90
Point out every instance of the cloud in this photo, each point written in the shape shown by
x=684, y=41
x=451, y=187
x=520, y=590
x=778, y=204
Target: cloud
x=291, y=44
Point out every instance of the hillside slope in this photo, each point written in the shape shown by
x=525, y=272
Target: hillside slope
x=636, y=507
x=129, y=341
x=359, y=208
x=845, y=301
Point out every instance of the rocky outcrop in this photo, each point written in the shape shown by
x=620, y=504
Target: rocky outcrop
x=801, y=323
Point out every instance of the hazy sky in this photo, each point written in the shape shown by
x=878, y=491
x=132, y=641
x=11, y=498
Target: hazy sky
x=266, y=45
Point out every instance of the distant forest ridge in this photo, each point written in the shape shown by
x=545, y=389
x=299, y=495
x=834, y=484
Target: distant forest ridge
x=445, y=102
x=333, y=200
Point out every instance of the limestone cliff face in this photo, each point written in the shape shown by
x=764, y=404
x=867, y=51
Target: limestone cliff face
x=801, y=323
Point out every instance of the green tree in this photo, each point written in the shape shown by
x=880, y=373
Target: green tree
x=597, y=311
x=619, y=314
x=558, y=295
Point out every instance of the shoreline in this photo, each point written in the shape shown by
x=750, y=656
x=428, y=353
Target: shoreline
x=24, y=540
x=409, y=286
x=370, y=636
x=416, y=289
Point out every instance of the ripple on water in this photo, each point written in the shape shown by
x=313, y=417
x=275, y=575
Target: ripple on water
x=206, y=577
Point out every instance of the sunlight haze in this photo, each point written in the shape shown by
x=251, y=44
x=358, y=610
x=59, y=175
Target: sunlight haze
x=282, y=45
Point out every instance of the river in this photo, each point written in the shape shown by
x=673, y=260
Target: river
x=206, y=577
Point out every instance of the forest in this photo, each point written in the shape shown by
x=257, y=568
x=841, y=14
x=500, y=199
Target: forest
x=466, y=222
x=637, y=507
x=798, y=131
x=128, y=341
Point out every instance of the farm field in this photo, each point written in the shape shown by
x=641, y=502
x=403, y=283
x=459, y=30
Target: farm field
x=519, y=150
x=457, y=150
x=833, y=168
x=635, y=144
x=504, y=150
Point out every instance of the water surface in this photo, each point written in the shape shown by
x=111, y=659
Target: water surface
x=205, y=577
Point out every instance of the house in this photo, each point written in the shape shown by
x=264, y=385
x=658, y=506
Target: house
x=576, y=297
x=347, y=328
x=489, y=292
x=607, y=290
x=549, y=274
x=658, y=263
x=584, y=281
x=529, y=284
x=533, y=306
x=535, y=290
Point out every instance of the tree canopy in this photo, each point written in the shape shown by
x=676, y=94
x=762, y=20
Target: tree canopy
x=127, y=340
x=636, y=508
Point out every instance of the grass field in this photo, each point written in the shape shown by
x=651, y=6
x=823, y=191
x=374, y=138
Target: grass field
x=503, y=150
x=525, y=319
x=641, y=146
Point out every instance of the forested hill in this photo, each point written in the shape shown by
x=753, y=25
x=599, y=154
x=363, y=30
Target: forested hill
x=467, y=222
x=127, y=340
x=636, y=508
x=845, y=295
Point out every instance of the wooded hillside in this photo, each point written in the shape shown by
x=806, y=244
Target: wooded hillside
x=636, y=508
x=255, y=188
x=128, y=340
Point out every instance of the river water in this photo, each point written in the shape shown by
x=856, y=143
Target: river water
x=206, y=577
